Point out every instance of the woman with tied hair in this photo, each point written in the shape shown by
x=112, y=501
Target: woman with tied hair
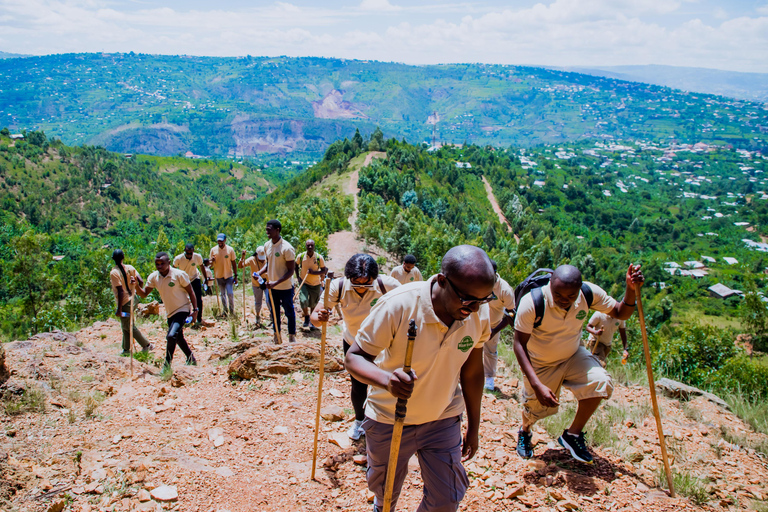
x=355, y=293
x=119, y=278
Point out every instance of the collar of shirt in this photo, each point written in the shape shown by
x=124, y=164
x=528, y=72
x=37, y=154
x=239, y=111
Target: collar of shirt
x=427, y=310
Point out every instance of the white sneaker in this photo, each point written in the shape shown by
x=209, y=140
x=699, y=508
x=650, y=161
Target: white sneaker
x=356, y=431
x=489, y=384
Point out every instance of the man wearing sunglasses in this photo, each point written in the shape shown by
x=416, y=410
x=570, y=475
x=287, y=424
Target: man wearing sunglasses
x=452, y=321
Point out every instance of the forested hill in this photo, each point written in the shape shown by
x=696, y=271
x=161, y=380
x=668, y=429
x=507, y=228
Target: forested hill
x=167, y=105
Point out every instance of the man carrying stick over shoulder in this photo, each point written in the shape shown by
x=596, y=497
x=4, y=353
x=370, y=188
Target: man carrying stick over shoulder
x=452, y=322
x=310, y=269
x=549, y=350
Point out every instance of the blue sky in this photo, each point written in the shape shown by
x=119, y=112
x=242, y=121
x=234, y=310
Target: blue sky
x=730, y=35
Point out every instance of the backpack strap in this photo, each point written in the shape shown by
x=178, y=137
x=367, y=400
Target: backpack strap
x=538, y=306
x=341, y=289
x=381, y=286
x=587, y=291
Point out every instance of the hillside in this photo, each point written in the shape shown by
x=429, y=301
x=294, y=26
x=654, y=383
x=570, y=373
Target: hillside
x=245, y=106
x=84, y=436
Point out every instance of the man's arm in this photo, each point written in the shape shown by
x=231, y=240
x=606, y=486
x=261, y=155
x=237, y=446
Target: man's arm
x=624, y=309
x=623, y=335
x=544, y=395
x=234, y=270
x=593, y=331
x=141, y=291
x=508, y=319
x=297, y=269
x=120, y=294
x=360, y=365
x=471, y=377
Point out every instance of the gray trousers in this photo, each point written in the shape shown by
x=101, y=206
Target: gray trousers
x=125, y=325
x=227, y=292
x=491, y=355
x=438, y=447
x=258, y=297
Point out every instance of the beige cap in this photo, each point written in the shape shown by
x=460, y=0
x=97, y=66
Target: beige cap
x=260, y=253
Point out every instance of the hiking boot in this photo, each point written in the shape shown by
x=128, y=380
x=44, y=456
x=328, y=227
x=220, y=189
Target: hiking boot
x=148, y=348
x=577, y=445
x=306, y=322
x=191, y=361
x=276, y=339
x=489, y=384
x=356, y=431
x=524, y=446
x=291, y=338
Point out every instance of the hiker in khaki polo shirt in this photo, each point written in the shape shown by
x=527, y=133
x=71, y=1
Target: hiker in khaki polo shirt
x=281, y=262
x=190, y=261
x=119, y=278
x=178, y=298
x=311, y=265
x=601, y=329
x=551, y=355
x=452, y=318
x=256, y=263
x=407, y=272
x=355, y=293
x=224, y=263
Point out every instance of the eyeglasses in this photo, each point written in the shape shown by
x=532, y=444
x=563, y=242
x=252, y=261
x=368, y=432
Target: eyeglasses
x=368, y=286
x=469, y=302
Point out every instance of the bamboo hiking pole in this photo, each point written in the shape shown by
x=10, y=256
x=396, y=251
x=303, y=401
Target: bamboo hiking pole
x=652, y=387
x=130, y=316
x=274, y=317
x=397, y=429
x=322, y=373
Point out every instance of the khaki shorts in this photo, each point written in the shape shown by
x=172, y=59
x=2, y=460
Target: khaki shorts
x=582, y=374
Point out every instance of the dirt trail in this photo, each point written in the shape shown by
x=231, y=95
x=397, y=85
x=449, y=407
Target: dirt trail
x=344, y=244
x=497, y=208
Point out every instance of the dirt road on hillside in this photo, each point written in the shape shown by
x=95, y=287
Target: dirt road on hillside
x=497, y=208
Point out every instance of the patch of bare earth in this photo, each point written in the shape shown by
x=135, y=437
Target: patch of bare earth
x=497, y=208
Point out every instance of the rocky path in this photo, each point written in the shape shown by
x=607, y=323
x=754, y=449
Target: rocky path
x=201, y=442
x=497, y=208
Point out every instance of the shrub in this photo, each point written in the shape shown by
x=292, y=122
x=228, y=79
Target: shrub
x=745, y=376
x=695, y=353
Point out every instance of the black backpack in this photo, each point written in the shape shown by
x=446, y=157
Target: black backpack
x=533, y=283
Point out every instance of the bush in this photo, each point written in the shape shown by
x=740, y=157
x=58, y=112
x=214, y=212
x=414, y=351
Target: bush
x=695, y=353
x=745, y=376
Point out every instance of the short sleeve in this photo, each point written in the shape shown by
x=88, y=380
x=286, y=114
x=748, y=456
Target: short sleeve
x=622, y=324
x=115, y=279
x=210, y=253
x=289, y=254
x=390, y=283
x=184, y=279
x=378, y=329
x=601, y=301
x=320, y=261
x=232, y=254
x=507, y=297
x=419, y=277
x=595, y=319
x=176, y=261
x=526, y=315
x=152, y=280
x=198, y=258
x=333, y=292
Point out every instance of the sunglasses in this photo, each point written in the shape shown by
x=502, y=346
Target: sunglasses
x=368, y=286
x=471, y=301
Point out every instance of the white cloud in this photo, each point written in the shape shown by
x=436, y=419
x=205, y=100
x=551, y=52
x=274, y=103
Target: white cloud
x=378, y=6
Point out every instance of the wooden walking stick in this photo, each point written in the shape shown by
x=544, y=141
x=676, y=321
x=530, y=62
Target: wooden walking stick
x=216, y=291
x=130, y=316
x=652, y=387
x=274, y=317
x=322, y=373
x=397, y=430
x=245, y=277
x=302, y=284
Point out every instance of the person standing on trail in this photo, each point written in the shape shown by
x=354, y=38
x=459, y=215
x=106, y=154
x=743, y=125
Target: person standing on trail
x=355, y=293
x=256, y=263
x=601, y=329
x=504, y=300
x=209, y=272
x=310, y=265
x=120, y=279
x=549, y=350
x=452, y=323
x=407, y=272
x=178, y=298
x=281, y=262
x=224, y=263
x=190, y=261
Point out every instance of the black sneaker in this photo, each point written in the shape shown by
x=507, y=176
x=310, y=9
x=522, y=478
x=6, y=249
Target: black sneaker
x=577, y=445
x=191, y=361
x=524, y=446
x=306, y=322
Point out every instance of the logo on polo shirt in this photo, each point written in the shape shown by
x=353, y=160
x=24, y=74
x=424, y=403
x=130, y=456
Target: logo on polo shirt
x=411, y=279
x=277, y=253
x=581, y=315
x=374, y=301
x=617, y=323
x=226, y=255
x=466, y=343
x=171, y=285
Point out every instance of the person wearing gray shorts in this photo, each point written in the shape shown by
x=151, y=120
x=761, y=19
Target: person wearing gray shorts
x=452, y=323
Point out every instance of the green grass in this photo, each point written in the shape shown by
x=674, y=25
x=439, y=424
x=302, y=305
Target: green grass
x=166, y=373
x=686, y=484
x=32, y=400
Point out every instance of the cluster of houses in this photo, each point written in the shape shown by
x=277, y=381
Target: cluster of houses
x=695, y=269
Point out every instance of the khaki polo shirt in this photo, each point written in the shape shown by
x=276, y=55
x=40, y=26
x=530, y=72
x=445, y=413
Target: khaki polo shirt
x=439, y=353
x=190, y=265
x=609, y=326
x=224, y=258
x=116, y=279
x=505, y=299
x=559, y=335
x=255, y=264
x=316, y=262
x=355, y=307
x=404, y=277
x=171, y=289
x=278, y=255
